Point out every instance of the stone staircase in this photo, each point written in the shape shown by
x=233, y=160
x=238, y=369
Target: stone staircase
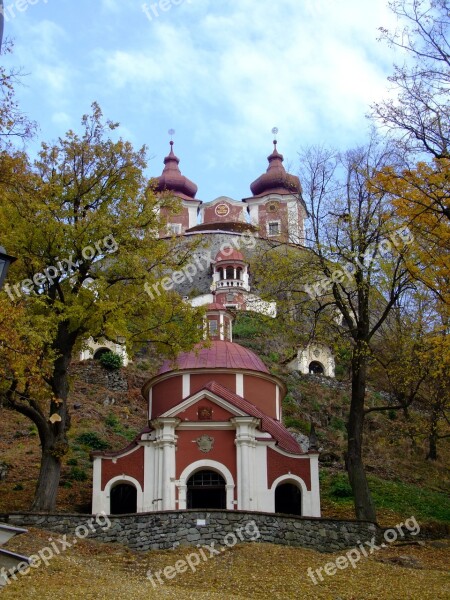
x=9, y=561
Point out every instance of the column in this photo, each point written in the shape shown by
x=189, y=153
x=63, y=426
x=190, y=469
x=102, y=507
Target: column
x=246, y=461
x=165, y=443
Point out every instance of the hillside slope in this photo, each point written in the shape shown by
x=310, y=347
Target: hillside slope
x=108, y=410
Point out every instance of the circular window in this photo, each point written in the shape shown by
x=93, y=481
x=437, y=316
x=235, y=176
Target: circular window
x=273, y=207
x=222, y=210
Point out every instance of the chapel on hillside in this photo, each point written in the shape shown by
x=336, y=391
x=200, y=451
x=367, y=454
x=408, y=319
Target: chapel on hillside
x=275, y=212
x=215, y=439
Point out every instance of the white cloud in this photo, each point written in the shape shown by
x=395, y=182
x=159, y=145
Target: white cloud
x=254, y=65
x=223, y=74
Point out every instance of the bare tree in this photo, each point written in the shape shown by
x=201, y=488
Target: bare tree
x=353, y=227
x=419, y=115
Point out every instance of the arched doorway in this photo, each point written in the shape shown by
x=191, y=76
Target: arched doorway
x=288, y=499
x=206, y=489
x=123, y=499
x=316, y=368
x=100, y=352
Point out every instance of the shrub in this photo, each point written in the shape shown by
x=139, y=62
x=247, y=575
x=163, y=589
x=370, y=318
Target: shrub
x=111, y=361
x=92, y=440
x=72, y=462
x=112, y=421
x=297, y=423
x=341, y=488
x=337, y=424
x=77, y=474
x=249, y=325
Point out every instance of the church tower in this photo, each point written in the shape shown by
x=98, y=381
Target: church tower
x=181, y=187
x=277, y=207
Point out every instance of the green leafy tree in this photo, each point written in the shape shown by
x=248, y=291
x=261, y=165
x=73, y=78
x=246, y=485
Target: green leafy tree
x=83, y=222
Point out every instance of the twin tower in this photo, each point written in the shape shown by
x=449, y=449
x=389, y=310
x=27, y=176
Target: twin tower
x=275, y=210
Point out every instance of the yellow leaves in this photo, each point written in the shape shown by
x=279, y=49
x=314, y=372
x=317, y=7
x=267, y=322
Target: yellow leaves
x=421, y=198
x=248, y=571
x=23, y=337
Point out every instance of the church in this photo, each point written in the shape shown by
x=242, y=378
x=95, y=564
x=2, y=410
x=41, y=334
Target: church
x=275, y=213
x=215, y=437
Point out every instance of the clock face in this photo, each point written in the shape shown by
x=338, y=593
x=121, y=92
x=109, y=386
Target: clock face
x=222, y=210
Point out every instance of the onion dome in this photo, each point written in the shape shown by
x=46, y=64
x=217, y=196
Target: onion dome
x=276, y=180
x=173, y=181
x=219, y=355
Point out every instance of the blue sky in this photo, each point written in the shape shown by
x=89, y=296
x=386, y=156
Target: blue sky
x=221, y=73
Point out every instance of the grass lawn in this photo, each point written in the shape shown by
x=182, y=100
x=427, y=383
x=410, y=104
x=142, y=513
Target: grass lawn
x=95, y=571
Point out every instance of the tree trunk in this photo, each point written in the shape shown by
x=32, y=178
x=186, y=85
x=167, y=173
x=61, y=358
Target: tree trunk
x=53, y=437
x=432, y=435
x=364, y=507
x=48, y=482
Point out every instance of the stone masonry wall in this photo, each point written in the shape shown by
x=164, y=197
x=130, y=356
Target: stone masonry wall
x=164, y=530
x=202, y=279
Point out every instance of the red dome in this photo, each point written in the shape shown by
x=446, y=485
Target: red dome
x=276, y=180
x=216, y=306
x=173, y=181
x=219, y=355
x=231, y=254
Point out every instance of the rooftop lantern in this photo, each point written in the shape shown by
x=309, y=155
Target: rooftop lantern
x=5, y=262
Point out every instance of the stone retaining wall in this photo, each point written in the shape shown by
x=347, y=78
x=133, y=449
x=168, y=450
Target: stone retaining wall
x=164, y=530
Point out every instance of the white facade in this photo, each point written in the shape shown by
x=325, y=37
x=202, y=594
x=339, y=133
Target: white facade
x=251, y=447
x=309, y=358
x=92, y=346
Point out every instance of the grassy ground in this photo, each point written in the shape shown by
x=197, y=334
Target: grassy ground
x=96, y=571
x=394, y=499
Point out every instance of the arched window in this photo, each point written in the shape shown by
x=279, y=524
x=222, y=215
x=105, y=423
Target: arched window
x=206, y=489
x=316, y=367
x=239, y=273
x=288, y=499
x=123, y=499
x=230, y=272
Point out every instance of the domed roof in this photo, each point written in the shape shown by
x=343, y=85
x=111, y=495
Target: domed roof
x=216, y=306
x=173, y=181
x=276, y=179
x=229, y=255
x=220, y=354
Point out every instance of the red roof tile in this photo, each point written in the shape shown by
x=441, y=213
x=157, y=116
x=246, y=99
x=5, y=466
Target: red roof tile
x=280, y=434
x=229, y=254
